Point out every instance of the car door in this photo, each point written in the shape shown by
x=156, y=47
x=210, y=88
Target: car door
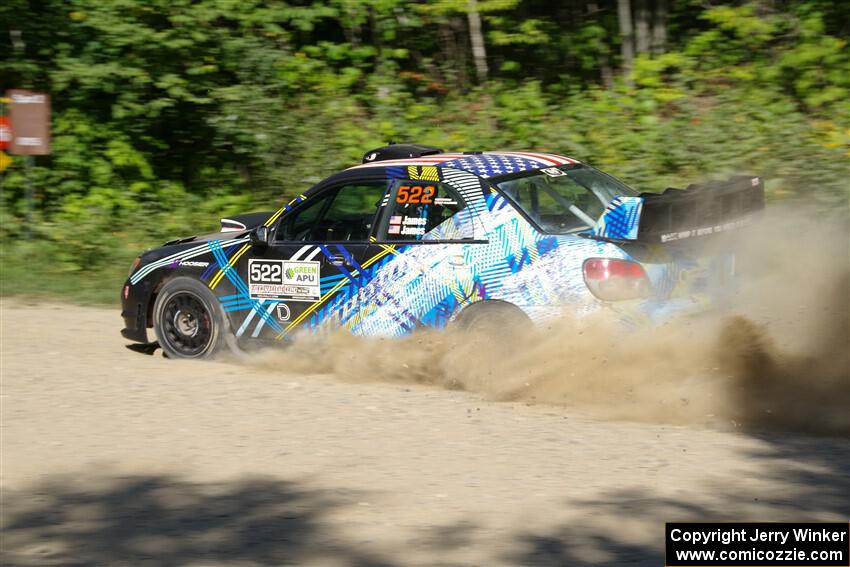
x=433, y=232
x=314, y=249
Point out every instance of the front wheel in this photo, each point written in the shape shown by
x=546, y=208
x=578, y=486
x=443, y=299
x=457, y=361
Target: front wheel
x=188, y=321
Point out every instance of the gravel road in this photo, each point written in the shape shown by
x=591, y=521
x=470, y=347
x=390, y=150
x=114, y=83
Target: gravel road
x=110, y=457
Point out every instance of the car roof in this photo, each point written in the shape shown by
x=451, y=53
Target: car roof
x=482, y=164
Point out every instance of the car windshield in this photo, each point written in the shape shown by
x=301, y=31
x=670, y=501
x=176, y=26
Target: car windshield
x=564, y=199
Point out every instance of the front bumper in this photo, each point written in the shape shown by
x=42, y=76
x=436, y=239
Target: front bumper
x=134, y=311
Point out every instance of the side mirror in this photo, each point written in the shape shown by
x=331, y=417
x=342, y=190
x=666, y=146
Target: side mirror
x=260, y=236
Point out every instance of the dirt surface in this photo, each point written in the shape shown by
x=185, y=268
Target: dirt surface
x=110, y=457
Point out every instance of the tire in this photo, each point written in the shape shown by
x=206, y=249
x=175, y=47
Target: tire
x=490, y=335
x=189, y=322
x=493, y=320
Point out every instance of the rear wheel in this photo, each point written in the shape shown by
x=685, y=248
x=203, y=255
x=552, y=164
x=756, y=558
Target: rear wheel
x=492, y=334
x=188, y=320
x=493, y=320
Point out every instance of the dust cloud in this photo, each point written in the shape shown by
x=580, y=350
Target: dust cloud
x=778, y=357
x=787, y=349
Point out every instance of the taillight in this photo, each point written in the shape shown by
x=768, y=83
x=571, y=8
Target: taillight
x=615, y=280
x=126, y=292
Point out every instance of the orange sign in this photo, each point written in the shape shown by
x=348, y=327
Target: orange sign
x=5, y=132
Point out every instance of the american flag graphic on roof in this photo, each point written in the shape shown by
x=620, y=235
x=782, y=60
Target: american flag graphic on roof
x=492, y=165
x=489, y=164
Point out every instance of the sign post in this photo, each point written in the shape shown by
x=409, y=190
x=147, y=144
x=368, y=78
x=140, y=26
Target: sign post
x=29, y=114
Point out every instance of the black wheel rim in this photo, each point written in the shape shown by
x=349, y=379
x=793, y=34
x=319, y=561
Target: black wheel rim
x=186, y=324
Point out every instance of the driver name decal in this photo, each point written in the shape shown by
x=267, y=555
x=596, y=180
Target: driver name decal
x=284, y=280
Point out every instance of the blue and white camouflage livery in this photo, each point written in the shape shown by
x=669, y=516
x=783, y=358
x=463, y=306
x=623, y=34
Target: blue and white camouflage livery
x=490, y=244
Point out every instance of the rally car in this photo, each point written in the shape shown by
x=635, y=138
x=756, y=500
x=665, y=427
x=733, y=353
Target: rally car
x=414, y=237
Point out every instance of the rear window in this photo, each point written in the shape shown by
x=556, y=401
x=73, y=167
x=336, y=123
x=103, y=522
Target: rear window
x=564, y=199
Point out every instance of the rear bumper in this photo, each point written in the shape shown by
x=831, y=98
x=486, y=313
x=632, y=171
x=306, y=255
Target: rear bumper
x=660, y=312
x=631, y=313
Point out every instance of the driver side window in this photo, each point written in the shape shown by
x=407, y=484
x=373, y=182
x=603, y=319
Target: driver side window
x=341, y=214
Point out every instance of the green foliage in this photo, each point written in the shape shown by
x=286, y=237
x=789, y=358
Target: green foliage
x=168, y=114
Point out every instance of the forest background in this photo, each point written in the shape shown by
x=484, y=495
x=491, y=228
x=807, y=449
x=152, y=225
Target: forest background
x=168, y=114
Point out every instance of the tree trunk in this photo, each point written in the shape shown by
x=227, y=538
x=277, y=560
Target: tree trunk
x=602, y=57
x=375, y=34
x=476, y=38
x=624, y=15
x=605, y=71
x=455, y=53
x=642, y=16
x=659, y=27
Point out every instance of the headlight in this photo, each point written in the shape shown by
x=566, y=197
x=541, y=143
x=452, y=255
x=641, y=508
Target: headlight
x=135, y=265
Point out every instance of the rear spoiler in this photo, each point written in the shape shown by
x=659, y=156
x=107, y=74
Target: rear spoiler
x=677, y=214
